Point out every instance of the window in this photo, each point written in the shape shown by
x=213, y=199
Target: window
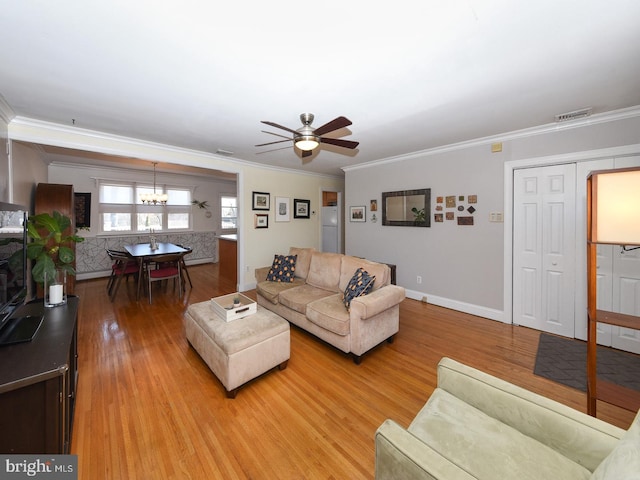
x=228, y=212
x=121, y=210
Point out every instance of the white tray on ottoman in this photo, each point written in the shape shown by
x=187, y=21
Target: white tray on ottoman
x=223, y=306
x=238, y=351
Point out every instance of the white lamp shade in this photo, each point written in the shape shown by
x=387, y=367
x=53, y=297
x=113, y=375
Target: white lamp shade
x=615, y=213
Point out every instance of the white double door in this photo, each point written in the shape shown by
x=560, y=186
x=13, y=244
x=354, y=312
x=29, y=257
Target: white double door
x=549, y=262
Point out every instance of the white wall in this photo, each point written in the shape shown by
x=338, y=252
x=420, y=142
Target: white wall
x=462, y=267
x=263, y=243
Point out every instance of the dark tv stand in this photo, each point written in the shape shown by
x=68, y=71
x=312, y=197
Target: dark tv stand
x=38, y=383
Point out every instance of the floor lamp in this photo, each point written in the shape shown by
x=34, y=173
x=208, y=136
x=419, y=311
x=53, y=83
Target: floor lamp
x=613, y=217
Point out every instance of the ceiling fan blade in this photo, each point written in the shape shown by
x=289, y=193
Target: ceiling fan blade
x=335, y=124
x=273, y=150
x=276, y=134
x=272, y=143
x=339, y=142
x=271, y=124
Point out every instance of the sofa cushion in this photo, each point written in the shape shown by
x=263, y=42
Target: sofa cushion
x=360, y=284
x=623, y=463
x=298, y=298
x=350, y=264
x=330, y=314
x=486, y=447
x=271, y=290
x=304, y=260
x=324, y=271
x=283, y=268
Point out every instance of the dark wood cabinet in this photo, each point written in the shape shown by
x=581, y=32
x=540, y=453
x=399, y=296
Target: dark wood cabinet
x=38, y=383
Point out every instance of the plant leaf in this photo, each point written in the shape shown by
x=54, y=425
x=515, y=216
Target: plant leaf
x=65, y=255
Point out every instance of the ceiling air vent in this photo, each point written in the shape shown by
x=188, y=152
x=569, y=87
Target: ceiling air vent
x=224, y=152
x=564, y=117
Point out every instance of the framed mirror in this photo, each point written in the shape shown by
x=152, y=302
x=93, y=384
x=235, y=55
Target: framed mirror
x=407, y=208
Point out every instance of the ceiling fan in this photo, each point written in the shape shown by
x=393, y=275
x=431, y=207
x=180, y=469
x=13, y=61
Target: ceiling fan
x=307, y=138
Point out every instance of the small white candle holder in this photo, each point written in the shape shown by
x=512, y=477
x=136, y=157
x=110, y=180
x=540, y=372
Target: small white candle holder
x=55, y=289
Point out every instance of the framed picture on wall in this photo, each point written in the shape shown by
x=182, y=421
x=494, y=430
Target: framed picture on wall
x=82, y=209
x=358, y=214
x=261, y=201
x=301, y=208
x=282, y=209
x=261, y=220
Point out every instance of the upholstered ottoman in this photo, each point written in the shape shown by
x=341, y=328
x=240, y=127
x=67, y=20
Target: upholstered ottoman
x=240, y=350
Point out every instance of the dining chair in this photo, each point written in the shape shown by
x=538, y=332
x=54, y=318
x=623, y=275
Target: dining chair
x=122, y=265
x=183, y=265
x=164, y=267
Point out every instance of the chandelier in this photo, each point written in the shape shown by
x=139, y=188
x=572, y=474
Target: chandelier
x=154, y=198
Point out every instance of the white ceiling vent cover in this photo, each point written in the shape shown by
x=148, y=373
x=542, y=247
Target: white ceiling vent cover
x=564, y=117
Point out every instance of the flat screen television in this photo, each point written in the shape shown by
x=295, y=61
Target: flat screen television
x=13, y=259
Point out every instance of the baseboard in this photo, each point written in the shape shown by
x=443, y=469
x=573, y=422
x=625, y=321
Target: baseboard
x=469, y=308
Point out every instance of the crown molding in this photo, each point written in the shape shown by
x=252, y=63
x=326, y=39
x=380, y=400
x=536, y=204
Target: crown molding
x=615, y=115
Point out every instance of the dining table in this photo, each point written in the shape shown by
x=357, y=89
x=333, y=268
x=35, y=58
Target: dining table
x=144, y=251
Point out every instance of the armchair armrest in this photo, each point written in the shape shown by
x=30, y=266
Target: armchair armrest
x=378, y=301
x=401, y=455
x=584, y=439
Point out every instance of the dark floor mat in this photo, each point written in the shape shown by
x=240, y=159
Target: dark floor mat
x=564, y=360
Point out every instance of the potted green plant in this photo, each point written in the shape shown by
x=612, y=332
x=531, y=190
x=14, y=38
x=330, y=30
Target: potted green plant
x=50, y=247
x=418, y=215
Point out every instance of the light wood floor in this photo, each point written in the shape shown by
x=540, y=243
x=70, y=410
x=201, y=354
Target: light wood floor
x=149, y=408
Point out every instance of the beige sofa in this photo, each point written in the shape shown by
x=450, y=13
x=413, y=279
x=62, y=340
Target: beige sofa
x=476, y=426
x=313, y=301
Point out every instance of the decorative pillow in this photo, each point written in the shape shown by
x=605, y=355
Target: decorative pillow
x=623, y=463
x=283, y=268
x=360, y=284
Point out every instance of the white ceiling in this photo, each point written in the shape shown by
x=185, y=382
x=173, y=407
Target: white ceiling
x=410, y=74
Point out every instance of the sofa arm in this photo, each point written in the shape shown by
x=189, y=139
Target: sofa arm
x=261, y=273
x=378, y=301
x=401, y=455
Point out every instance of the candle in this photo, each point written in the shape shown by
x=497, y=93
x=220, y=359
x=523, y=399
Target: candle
x=55, y=294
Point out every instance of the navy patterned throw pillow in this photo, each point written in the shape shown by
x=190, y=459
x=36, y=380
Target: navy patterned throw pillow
x=283, y=268
x=360, y=284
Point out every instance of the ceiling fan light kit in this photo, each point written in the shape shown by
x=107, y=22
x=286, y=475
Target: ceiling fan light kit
x=307, y=142
x=306, y=138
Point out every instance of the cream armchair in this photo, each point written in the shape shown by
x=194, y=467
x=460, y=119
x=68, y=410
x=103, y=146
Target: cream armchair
x=476, y=426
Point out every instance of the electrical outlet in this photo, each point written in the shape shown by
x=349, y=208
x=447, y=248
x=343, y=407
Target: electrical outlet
x=418, y=279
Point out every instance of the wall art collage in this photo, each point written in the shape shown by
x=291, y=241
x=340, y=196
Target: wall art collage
x=261, y=201
x=455, y=207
